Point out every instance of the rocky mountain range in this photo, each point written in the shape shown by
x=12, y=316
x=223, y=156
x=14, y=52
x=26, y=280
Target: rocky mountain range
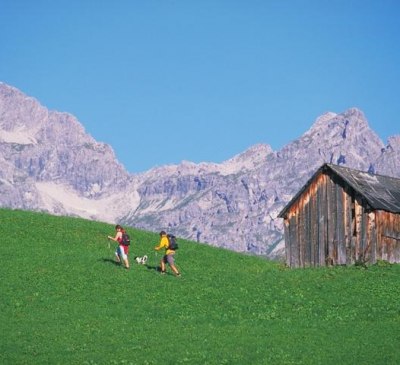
x=49, y=163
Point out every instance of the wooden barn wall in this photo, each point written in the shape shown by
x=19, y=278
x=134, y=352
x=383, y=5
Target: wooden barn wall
x=305, y=227
x=321, y=222
x=362, y=225
x=348, y=229
x=330, y=224
x=387, y=236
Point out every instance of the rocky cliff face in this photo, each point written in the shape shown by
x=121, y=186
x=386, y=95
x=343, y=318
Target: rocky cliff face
x=39, y=148
x=48, y=162
x=237, y=207
x=51, y=146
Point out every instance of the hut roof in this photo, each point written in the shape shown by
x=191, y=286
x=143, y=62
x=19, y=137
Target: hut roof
x=381, y=192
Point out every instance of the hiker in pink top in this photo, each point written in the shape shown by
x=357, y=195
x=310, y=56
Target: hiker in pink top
x=122, y=249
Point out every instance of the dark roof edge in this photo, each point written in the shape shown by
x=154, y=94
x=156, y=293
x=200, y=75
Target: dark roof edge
x=305, y=186
x=357, y=189
x=332, y=168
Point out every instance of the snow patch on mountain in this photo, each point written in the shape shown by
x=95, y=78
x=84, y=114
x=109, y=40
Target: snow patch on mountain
x=18, y=136
x=62, y=199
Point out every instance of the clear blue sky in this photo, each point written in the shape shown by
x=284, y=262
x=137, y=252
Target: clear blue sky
x=203, y=80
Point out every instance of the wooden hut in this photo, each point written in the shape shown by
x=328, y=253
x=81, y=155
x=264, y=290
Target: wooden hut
x=341, y=217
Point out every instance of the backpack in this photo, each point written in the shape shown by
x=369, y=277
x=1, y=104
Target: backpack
x=126, y=240
x=172, y=245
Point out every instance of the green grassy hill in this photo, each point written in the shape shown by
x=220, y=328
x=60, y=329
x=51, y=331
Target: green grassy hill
x=64, y=301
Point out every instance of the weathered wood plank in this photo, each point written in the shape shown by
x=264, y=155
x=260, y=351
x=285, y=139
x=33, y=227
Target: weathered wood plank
x=307, y=234
x=348, y=224
x=302, y=237
x=396, y=232
x=364, y=227
x=321, y=206
x=378, y=229
x=340, y=239
x=390, y=234
x=331, y=221
x=372, y=237
x=314, y=227
x=287, y=242
x=294, y=251
x=357, y=229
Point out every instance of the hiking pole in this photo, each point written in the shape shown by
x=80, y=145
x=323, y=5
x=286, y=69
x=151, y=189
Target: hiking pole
x=109, y=242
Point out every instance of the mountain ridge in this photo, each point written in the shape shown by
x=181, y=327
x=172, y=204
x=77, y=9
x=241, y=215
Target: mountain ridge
x=48, y=162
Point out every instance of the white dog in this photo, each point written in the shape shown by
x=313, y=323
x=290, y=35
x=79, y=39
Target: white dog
x=141, y=260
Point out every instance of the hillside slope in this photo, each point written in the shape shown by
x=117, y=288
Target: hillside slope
x=65, y=301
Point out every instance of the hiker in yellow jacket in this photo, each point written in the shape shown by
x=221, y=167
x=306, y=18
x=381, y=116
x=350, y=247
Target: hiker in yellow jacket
x=168, y=256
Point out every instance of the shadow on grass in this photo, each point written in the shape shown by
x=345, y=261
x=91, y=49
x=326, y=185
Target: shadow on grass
x=110, y=261
x=157, y=269
x=153, y=267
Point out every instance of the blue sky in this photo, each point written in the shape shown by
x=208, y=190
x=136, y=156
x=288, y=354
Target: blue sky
x=166, y=81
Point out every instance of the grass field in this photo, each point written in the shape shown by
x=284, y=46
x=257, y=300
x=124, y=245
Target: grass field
x=64, y=301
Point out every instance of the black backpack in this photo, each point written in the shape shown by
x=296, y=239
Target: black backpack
x=172, y=245
x=126, y=240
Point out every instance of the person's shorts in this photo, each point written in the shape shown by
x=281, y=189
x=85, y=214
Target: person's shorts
x=169, y=259
x=122, y=251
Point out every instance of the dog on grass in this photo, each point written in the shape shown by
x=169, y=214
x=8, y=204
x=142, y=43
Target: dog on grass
x=141, y=260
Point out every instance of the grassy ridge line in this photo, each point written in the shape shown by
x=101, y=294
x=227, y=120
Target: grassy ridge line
x=64, y=302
